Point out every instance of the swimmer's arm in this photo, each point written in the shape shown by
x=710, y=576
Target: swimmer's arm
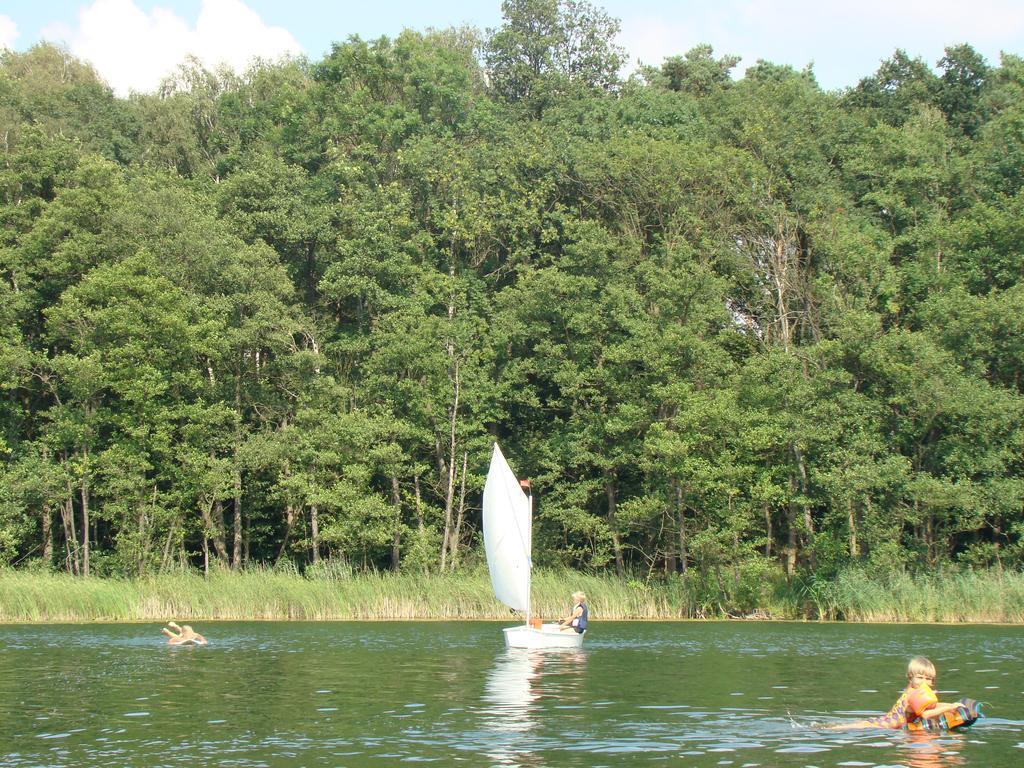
x=939, y=709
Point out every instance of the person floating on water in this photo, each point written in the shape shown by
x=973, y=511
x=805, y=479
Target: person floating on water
x=576, y=621
x=918, y=707
x=182, y=635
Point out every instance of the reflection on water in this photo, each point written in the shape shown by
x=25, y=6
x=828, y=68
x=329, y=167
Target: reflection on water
x=510, y=706
x=354, y=694
x=511, y=702
x=931, y=751
x=513, y=689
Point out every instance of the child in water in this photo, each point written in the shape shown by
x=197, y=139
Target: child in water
x=916, y=706
x=182, y=635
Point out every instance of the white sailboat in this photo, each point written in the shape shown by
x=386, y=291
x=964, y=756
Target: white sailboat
x=508, y=518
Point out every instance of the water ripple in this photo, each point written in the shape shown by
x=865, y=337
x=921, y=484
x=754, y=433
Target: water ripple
x=329, y=694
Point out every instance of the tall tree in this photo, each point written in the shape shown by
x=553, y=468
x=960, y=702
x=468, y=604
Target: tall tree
x=547, y=49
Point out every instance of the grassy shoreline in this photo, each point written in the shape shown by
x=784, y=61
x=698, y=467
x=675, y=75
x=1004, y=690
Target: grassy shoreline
x=971, y=597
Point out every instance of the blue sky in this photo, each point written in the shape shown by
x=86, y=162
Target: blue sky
x=133, y=43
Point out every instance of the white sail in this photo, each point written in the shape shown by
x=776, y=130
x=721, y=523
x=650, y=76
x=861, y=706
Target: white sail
x=507, y=526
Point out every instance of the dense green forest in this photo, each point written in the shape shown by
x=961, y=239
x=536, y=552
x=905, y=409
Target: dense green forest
x=723, y=324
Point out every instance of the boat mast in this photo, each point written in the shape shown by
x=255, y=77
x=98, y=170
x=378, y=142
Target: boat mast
x=525, y=485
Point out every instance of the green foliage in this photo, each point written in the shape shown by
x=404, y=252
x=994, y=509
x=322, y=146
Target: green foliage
x=747, y=338
x=696, y=73
x=964, y=73
x=900, y=86
x=550, y=49
x=46, y=89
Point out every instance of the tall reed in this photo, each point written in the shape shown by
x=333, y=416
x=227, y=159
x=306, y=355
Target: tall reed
x=972, y=596
x=335, y=592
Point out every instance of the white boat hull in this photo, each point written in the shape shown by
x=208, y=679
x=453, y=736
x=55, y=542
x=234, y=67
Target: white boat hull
x=548, y=636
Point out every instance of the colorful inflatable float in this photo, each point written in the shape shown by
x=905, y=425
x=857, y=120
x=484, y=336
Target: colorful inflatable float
x=963, y=716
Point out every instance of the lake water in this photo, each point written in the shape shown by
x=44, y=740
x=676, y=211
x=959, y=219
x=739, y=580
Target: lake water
x=382, y=694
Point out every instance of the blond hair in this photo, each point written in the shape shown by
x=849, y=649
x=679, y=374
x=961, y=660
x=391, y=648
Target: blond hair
x=579, y=597
x=919, y=665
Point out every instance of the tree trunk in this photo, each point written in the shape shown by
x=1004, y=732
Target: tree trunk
x=396, y=538
x=420, y=526
x=808, y=519
x=929, y=537
x=610, y=494
x=144, y=534
x=671, y=562
x=84, y=489
x=447, y=546
x=47, y=534
x=851, y=521
x=314, y=529
x=289, y=523
x=792, y=531
x=142, y=546
x=236, y=552
x=684, y=543
x=47, y=521
x=457, y=536
x=781, y=275
x=67, y=517
x=419, y=507
x=213, y=518
x=165, y=561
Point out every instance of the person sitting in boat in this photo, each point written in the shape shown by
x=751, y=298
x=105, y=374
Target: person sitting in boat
x=182, y=635
x=576, y=621
x=918, y=705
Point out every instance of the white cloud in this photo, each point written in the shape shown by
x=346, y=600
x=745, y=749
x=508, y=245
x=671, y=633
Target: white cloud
x=133, y=50
x=8, y=32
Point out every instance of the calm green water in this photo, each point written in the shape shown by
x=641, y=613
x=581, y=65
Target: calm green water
x=369, y=694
